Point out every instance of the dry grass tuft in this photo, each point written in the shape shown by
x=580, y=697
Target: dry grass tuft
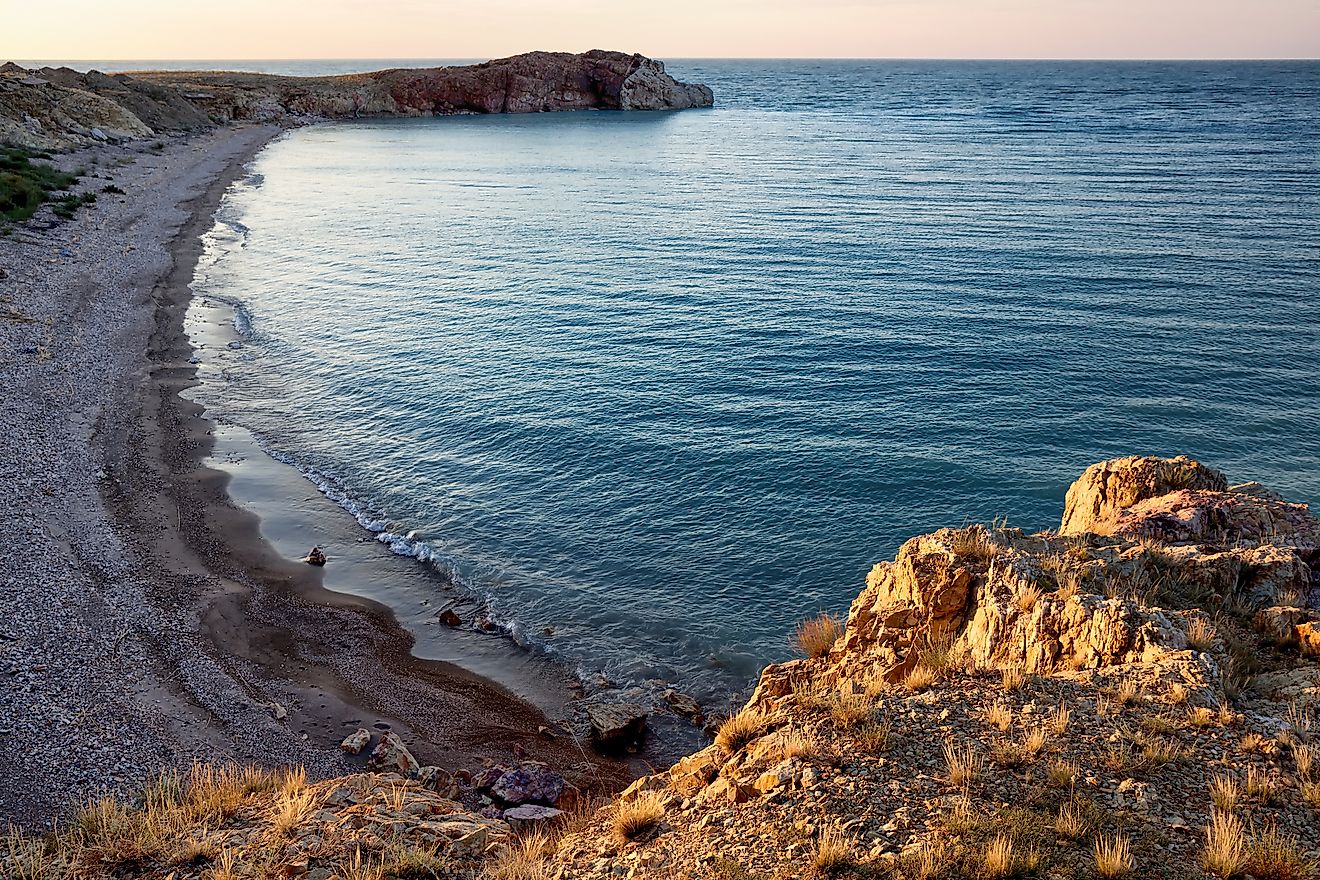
x=1311, y=794
x=812, y=696
x=798, y=744
x=873, y=736
x=1200, y=716
x=998, y=862
x=1061, y=774
x=1127, y=692
x=849, y=710
x=1253, y=742
x=964, y=764
x=815, y=637
x=291, y=810
x=1000, y=717
x=739, y=729
x=637, y=817
x=834, y=853
x=28, y=858
x=1059, y=722
x=419, y=863
x=919, y=678
x=1015, y=754
x=226, y=867
x=1200, y=635
x=1304, y=757
x=1027, y=598
x=523, y=859
x=1225, y=793
x=973, y=542
x=1013, y=679
x=929, y=861
x=1178, y=693
x=1261, y=785
x=359, y=867
x=1113, y=856
x=1277, y=856
x=1070, y=824
x=1225, y=853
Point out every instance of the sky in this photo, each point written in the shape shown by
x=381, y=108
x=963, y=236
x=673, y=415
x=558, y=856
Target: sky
x=250, y=29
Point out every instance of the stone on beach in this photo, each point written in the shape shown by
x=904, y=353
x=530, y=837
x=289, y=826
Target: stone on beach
x=529, y=782
x=391, y=754
x=616, y=726
x=355, y=742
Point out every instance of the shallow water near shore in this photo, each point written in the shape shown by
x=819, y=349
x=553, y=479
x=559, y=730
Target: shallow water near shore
x=655, y=386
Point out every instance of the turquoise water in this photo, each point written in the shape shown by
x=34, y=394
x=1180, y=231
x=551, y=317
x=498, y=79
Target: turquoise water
x=668, y=383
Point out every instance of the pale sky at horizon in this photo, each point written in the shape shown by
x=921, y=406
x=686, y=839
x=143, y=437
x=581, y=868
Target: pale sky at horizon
x=256, y=29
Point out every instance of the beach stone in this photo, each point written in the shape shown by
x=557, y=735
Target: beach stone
x=449, y=617
x=683, y=705
x=391, y=754
x=529, y=782
x=530, y=814
x=434, y=778
x=355, y=742
x=616, y=726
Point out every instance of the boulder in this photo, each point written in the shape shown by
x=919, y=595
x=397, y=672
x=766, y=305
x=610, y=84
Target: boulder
x=1105, y=489
x=390, y=754
x=521, y=817
x=529, y=783
x=355, y=742
x=449, y=617
x=1308, y=638
x=616, y=726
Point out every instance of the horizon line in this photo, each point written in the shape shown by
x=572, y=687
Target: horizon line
x=1200, y=59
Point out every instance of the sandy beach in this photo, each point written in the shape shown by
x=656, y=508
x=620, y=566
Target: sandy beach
x=146, y=620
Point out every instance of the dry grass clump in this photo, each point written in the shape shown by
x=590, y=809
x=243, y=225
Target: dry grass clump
x=359, y=867
x=291, y=810
x=522, y=859
x=1127, y=692
x=798, y=744
x=815, y=637
x=29, y=858
x=1253, y=742
x=1000, y=716
x=1311, y=794
x=1027, y=598
x=849, y=710
x=739, y=729
x=1178, y=693
x=1261, y=785
x=419, y=863
x=931, y=860
x=1061, y=774
x=226, y=866
x=1304, y=758
x=964, y=764
x=1013, y=679
x=1225, y=792
x=812, y=696
x=973, y=542
x=1157, y=752
x=873, y=736
x=1225, y=853
x=1200, y=635
x=1113, y=856
x=1070, y=823
x=1015, y=754
x=834, y=853
x=1277, y=856
x=1059, y=721
x=919, y=678
x=1200, y=716
x=998, y=861
x=635, y=818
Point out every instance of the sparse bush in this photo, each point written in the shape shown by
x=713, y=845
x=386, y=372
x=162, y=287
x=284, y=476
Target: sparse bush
x=815, y=637
x=973, y=542
x=1000, y=717
x=873, y=736
x=111, y=190
x=1070, y=824
x=522, y=859
x=1061, y=774
x=998, y=861
x=1059, y=723
x=798, y=744
x=1113, y=856
x=931, y=860
x=1304, y=757
x=290, y=811
x=1261, y=785
x=637, y=817
x=850, y=710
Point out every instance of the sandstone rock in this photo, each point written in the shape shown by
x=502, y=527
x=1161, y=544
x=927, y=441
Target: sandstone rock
x=391, y=754
x=355, y=742
x=683, y=705
x=616, y=726
x=1308, y=637
x=1106, y=489
x=1280, y=623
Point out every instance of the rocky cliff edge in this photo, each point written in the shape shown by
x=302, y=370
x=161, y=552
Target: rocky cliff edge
x=57, y=108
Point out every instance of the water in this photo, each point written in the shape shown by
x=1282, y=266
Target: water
x=666, y=383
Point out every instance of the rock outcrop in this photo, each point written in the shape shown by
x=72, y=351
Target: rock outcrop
x=52, y=108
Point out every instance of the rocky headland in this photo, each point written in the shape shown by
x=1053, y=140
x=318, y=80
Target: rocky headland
x=58, y=108
x=1133, y=694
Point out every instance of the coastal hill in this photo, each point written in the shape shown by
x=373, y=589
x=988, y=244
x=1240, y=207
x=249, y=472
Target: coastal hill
x=57, y=108
x=1132, y=695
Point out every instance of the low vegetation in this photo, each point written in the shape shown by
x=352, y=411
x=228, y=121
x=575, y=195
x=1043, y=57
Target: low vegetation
x=28, y=180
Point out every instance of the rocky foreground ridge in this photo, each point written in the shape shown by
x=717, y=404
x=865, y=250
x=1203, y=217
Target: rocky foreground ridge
x=1132, y=695
x=57, y=108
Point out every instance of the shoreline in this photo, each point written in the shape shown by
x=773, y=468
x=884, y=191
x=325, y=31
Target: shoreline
x=276, y=668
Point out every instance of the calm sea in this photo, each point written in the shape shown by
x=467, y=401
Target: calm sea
x=667, y=383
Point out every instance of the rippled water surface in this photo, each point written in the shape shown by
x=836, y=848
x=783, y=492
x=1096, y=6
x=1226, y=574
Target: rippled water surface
x=668, y=382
